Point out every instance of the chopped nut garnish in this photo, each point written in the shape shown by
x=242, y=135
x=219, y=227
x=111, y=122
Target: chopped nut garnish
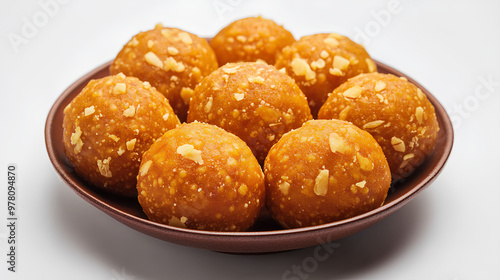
x=332, y=42
x=133, y=42
x=284, y=188
x=324, y=54
x=120, y=151
x=310, y=75
x=120, y=88
x=419, y=113
x=129, y=112
x=146, y=85
x=185, y=38
x=114, y=137
x=372, y=67
x=243, y=189
x=380, y=97
x=239, y=96
x=165, y=117
x=131, y=144
x=103, y=166
x=321, y=183
x=301, y=68
x=344, y=112
x=335, y=72
x=152, y=59
x=337, y=143
x=241, y=38
x=408, y=156
x=208, y=106
x=172, y=64
x=76, y=140
x=166, y=33
x=257, y=80
x=174, y=221
x=268, y=114
x=230, y=70
x=150, y=43
x=231, y=161
x=403, y=78
x=186, y=94
x=121, y=76
x=398, y=144
x=283, y=70
x=340, y=62
x=320, y=63
x=379, y=86
x=373, y=124
x=361, y=184
x=145, y=167
x=188, y=151
x=351, y=131
x=364, y=162
x=420, y=94
x=353, y=92
x=172, y=51
x=89, y=110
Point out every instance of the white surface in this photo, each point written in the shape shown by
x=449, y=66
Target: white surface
x=451, y=231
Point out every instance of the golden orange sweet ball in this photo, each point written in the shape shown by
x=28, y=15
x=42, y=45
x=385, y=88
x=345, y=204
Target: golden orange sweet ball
x=172, y=60
x=200, y=176
x=109, y=125
x=395, y=111
x=325, y=171
x=253, y=100
x=321, y=62
x=250, y=39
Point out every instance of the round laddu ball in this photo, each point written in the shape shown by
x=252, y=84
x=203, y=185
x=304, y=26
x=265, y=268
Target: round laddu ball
x=172, y=60
x=325, y=171
x=109, y=125
x=396, y=112
x=200, y=176
x=253, y=100
x=250, y=39
x=319, y=63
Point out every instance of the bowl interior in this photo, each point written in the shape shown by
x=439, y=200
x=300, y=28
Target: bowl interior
x=266, y=235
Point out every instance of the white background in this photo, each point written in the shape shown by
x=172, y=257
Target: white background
x=450, y=231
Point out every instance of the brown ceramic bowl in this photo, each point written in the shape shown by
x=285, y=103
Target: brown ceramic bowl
x=266, y=236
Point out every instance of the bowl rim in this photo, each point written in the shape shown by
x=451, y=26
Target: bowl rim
x=138, y=222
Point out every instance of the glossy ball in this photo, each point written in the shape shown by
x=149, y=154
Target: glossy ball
x=109, y=125
x=250, y=39
x=172, y=60
x=199, y=176
x=396, y=112
x=321, y=62
x=325, y=171
x=255, y=101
